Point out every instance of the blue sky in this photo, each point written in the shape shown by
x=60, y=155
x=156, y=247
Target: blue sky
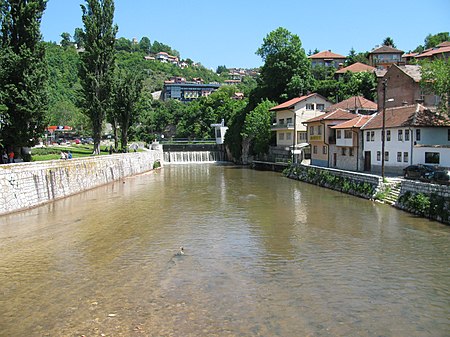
x=228, y=32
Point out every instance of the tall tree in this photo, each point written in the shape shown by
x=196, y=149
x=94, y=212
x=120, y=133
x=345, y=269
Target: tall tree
x=97, y=62
x=66, y=40
x=23, y=72
x=78, y=37
x=389, y=42
x=127, y=92
x=145, y=45
x=286, y=72
x=436, y=78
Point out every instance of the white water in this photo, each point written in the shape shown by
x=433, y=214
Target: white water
x=193, y=157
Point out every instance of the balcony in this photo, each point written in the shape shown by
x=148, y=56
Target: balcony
x=282, y=126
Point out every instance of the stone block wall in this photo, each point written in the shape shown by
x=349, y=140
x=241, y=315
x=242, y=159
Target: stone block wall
x=26, y=185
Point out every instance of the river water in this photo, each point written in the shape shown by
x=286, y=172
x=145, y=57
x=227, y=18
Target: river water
x=264, y=256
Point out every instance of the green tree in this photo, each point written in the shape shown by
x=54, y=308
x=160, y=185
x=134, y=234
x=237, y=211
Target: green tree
x=221, y=69
x=127, y=92
x=145, y=45
x=436, y=78
x=286, y=72
x=78, y=37
x=23, y=72
x=123, y=44
x=97, y=62
x=432, y=41
x=389, y=42
x=66, y=40
x=256, y=132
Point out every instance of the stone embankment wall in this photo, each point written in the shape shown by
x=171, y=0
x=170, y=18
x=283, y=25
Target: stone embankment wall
x=26, y=185
x=424, y=199
x=354, y=183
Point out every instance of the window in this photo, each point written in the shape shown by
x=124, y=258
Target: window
x=344, y=151
x=289, y=120
x=350, y=151
x=378, y=155
x=405, y=157
x=324, y=150
x=309, y=106
x=315, y=149
x=319, y=129
x=399, y=157
x=301, y=136
x=368, y=136
x=320, y=107
x=407, y=135
x=386, y=156
x=417, y=134
x=311, y=130
x=281, y=121
x=288, y=136
x=372, y=136
x=388, y=135
x=338, y=134
x=281, y=136
x=431, y=157
x=347, y=134
x=400, y=135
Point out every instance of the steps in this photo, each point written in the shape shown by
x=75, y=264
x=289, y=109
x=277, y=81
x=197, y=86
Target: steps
x=392, y=197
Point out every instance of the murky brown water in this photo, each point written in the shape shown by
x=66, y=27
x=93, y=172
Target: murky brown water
x=265, y=256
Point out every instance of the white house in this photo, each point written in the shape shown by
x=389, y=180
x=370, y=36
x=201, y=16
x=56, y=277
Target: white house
x=290, y=115
x=414, y=135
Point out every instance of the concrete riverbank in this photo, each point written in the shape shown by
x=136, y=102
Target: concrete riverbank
x=26, y=185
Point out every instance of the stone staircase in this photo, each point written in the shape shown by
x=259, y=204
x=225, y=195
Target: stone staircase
x=392, y=197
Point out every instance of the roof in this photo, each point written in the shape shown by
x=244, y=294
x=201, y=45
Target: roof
x=292, y=102
x=356, y=122
x=412, y=71
x=326, y=54
x=338, y=114
x=386, y=50
x=432, y=52
x=353, y=103
x=357, y=67
x=410, y=115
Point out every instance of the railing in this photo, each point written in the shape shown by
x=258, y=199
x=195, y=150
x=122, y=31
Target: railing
x=187, y=141
x=277, y=126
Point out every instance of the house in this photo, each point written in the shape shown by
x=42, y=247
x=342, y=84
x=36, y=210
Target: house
x=327, y=58
x=356, y=105
x=415, y=134
x=290, y=116
x=403, y=87
x=385, y=56
x=166, y=58
x=186, y=91
x=357, y=67
x=349, y=144
x=442, y=50
x=322, y=138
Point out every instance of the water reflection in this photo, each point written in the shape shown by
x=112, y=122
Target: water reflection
x=265, y=256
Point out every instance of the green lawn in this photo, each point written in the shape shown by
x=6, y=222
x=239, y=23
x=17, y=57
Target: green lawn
x=54, y=152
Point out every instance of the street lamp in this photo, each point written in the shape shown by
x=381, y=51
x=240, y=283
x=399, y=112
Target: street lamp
x=383, y=132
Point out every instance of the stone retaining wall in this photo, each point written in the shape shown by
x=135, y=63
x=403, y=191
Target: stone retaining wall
x=425, y=199
x=26, y=185
x=354, y=183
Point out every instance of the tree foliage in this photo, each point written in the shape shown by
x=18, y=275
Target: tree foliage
x=286, y=72
x=432, y=41
x=97, y=62
x=389, y=42
x=23, y=72
x=436, y=78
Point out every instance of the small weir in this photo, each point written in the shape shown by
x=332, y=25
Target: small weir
x=193, y=156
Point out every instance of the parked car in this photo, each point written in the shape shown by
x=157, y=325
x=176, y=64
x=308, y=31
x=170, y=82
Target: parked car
x=440, y=177
x=418, y=172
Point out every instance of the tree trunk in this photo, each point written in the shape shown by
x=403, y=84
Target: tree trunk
x=246, y=142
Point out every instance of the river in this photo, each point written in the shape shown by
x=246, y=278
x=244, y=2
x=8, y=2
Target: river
x=264, y=256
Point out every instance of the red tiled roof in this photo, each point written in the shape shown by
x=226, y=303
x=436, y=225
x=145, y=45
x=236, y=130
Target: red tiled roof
x=338, y=114
x=289, y=104
x=357, y=67
x=353, y=103
x=356, y=122
x=444, y=44
x=434, y=52
x=326, y=54
x=409, y=115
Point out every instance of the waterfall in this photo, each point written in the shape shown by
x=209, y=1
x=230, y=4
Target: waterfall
x=193, y=157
